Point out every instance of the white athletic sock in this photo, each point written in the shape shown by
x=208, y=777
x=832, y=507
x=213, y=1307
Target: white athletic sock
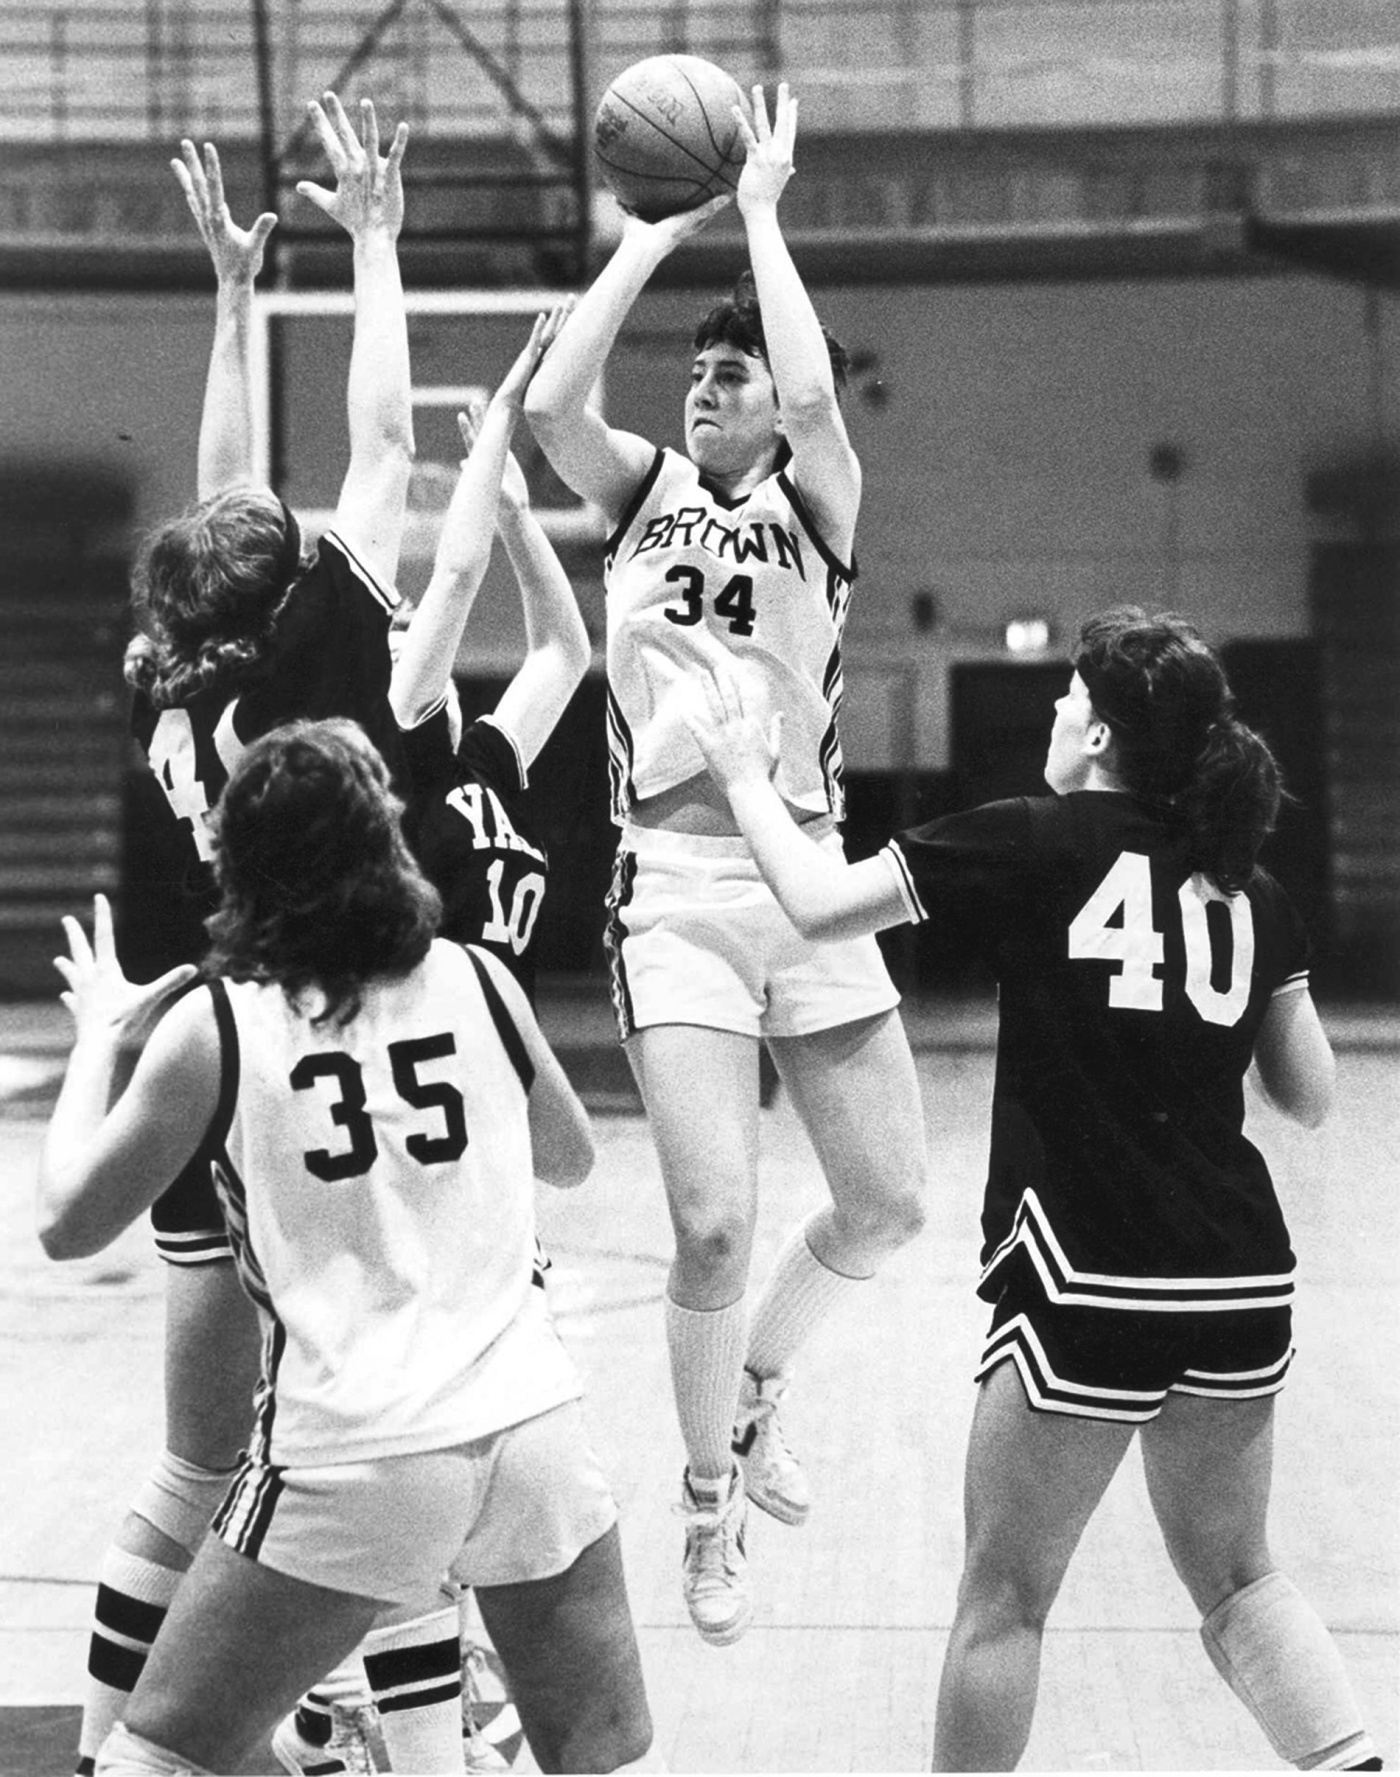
x=707, y=1358
x=129, y=1755
x=1273, y=1650
x=346, y=1685
x=415, y=1675
x=798, y=1295
x=133, y=1595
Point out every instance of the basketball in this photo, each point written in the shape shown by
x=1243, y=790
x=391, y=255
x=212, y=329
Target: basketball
x=665, y=136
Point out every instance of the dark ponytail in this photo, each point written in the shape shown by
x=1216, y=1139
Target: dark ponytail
x=1230, y=804
x=1177, y=740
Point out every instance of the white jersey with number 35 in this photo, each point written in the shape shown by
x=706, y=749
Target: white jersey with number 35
x=690, y=572
x=378, y=1184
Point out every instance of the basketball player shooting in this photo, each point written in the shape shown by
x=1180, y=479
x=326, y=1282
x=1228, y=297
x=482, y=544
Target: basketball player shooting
x=742, y=544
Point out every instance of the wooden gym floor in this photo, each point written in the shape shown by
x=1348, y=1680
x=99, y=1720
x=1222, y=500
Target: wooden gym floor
x=840, y=1669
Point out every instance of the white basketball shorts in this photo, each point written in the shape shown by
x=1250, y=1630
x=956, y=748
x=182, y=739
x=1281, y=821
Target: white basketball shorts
x=522, y=1504
x=695, y=936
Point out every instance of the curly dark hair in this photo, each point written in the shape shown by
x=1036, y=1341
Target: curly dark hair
x=1177, y=740
x=736, y=321
x=207, y=591
x=318, y=888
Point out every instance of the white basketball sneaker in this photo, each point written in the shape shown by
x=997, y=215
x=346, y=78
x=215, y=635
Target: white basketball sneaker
x=715, y=1575
x=773, y=1477
x=347, y=1750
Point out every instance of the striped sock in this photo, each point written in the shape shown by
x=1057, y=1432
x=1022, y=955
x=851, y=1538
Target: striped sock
x=133, y=1595
x=415, y=1675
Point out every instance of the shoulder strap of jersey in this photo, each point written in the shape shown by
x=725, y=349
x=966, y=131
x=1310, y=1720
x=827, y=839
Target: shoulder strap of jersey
x=222, y=1120
x=511, y=1039
x=633, y=506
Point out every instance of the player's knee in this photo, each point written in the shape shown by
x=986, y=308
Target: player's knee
x=1002, y=1596
x=713, y=1245
x=889, y=1218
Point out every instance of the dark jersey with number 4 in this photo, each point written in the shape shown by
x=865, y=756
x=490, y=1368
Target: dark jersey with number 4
x=1130, y=996
x=470, y=831
x=329, y=657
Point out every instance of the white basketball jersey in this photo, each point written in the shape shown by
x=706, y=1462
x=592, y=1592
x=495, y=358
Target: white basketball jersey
x=690, y=570
x=378, y=1184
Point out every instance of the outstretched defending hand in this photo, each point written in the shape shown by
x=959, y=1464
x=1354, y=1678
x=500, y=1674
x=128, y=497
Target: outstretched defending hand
x=511, y=391
x=769, y=164
x=237, y=252
x=368, y=194
x=101, y=999
x=510, y=398
x=726, y=729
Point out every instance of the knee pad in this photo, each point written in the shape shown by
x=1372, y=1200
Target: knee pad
x=179, y=1499
x=1275, y=1653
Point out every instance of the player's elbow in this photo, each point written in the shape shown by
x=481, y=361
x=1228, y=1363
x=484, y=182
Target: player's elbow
x=63, y=1236
x=816, y=922
x=397, y=445
x=568, y=1162
x=1304, y=1096
x=541, y=406
x=1312, y=1105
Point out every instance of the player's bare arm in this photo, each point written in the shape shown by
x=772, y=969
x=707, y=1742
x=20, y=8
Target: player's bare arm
x=824, y=897
x=226, y=423
x=425, y=660
x=825, y=466
x=100, y=1168
x=600, y=462
x=557, y=650
x=1293, y=1062
x=367, y=202
x=560, y=1133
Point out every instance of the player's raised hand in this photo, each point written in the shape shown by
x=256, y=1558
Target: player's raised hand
x=725, y=726
x=511, y=391
x=368, y=193
x=769, y=161
x=104, y=1004
x=670, y=231
x=237, y=252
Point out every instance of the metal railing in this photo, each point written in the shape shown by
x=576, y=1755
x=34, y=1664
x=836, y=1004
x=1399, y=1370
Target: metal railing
x=114, y=70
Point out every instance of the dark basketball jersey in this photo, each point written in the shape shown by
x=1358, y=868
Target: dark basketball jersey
x=1131, y=993
x=470, y=831
x=329, y=657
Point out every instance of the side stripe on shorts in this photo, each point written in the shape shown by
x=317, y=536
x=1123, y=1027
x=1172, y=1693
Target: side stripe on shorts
x=244, y=1518
x=188, y=1248
x=1051, y=1393
x=614, y=932
x=1236, y=1385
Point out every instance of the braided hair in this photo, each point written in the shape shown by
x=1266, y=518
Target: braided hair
x=207, y=592
x=1178, y=743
